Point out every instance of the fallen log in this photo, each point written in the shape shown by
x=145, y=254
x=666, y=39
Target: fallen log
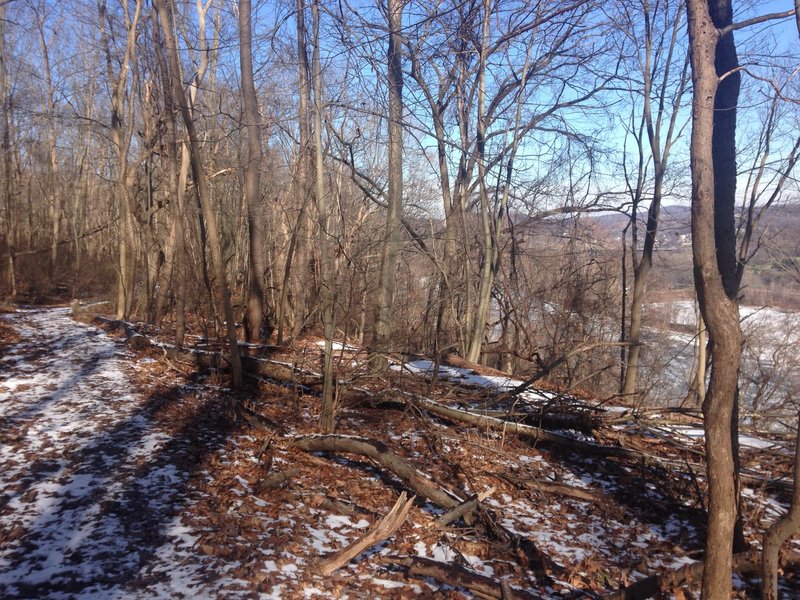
x=747, y=563
x=393, y=520
x=458, y=576
x=132, y=337
x=686, y=575
x=526, y=550
x=380, y=453
x=547, y=487
x=535, y=434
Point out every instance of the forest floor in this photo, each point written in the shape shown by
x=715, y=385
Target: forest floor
x=127, y=474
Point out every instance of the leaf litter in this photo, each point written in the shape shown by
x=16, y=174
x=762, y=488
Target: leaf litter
x=124, y=477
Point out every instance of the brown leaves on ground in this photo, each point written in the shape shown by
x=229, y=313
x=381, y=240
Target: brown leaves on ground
x=7, y=335
x=638, y=519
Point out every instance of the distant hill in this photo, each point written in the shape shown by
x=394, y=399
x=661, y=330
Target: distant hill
x=779, y=223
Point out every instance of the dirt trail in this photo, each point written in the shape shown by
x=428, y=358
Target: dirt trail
x=91, y=487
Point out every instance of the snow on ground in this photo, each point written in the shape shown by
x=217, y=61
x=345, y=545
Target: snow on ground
x=470, y=377
x=105, y=493
x=90, y=497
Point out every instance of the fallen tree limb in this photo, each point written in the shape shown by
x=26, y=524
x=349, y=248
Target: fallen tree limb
x=547, y=369
x=393, y=520
x=350, y=509
x=747, y=563
x=457, y=576
x=654, y=585
x=70, y=241
x=274, y=480
x=547, y=487
x=535, y=434
x=380, y=453
x=525, y=549
x=465, y=508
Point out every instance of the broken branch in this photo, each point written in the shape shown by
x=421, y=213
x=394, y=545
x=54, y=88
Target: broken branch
x=383, y=530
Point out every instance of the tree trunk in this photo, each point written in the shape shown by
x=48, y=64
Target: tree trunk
x=201, y=185
x=697, y=384
x=52, y=165
x=379, y=359
x=781, y=531
x=9, y=177
x=657, y=86
x=724, y=160
x=175, y=271
x=328, y=409
x=121, y=134
x=720, y=311
x=254, y=320
x=293, y=290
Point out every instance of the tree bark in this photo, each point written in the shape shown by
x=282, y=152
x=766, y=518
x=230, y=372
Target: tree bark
x=201, y=185
x=720, y=311
x=254, y=319
x=379, y=359
x=328, y=408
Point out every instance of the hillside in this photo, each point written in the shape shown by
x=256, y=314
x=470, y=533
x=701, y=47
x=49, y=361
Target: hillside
x=207, y=493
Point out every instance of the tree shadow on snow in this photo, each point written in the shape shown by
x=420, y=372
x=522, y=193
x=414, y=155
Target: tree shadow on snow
x=107, y=514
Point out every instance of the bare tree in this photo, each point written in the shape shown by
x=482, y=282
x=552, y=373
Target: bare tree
x=53, y=191
x=254, y=319
x=200, y=180
x=661, y=97
x=9, y=176
x=326, y=292
x=122, y=130
x=713, y=268
x=293, y=287
x=394, y=199
x=175, y=274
